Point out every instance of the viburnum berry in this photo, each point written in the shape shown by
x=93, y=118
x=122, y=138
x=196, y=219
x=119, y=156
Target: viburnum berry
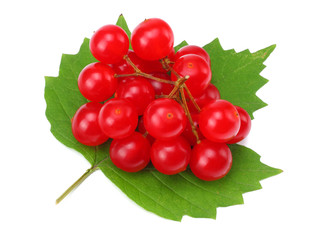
x=149, y=118
x=164, y=119
x=96, y=82
x=118, y=118
x=85, y=125
x=245, y=126
x=170, y=157
x=152, y=39
x=109, y=44
x=219, y=121
x=198, y=71
x=210, y=161
x=192, y=49
x=130, y=154
x=138, y=91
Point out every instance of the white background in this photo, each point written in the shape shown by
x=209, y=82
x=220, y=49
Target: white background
x=35, y=168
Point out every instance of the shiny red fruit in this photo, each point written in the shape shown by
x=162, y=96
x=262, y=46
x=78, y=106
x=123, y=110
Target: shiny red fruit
x=164, y=119
x=198, y=71
x=138, y=91
x=192, y=49
x=219, y=121
x=85, y=126
x=96, y=82
x=109, y=44
x=152, y=39
x=171, y=157
x=245, y=126
x=130, y=154
x=118, y=118
x=210, y=161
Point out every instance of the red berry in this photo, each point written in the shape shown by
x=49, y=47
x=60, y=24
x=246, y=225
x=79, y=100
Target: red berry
x=130, y=154
x=210, y=93
x=96, y=82
x=164, y=119
x=109, y=44
x=245, y=126
x=171, y=157
x=85, y=126
x=152, y=39
x=138, y=91
x=192, y=49
x=210, y=161
x=118, y=118
x=219, y=121
x=197, y=69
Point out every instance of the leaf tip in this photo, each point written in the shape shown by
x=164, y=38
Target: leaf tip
x=265, y=52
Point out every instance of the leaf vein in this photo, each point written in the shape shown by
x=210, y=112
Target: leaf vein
x=204, y=209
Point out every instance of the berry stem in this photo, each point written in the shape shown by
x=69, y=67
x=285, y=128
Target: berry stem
x=169, y=68
x=138, y=72
x=136, y=69
x=145, y=75
x=192, y=98
x=185, y=107
x=178, y=84
x=79, y=181
x=165, y=63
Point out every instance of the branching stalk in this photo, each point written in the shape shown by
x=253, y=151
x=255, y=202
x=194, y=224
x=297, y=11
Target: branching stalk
x=185, y=105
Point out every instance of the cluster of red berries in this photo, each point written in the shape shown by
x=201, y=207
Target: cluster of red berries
x=156, y=104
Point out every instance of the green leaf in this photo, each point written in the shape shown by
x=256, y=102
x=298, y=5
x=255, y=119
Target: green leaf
x=237, y=75
x=121, y=22
x=170, y=197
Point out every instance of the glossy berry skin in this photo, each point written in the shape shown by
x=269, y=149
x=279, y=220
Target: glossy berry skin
x=96, y=82
x=192, y=49
x=130, y=154
x=210, y=161
x=109, y=44
x=197, y=69
x=211, y=93
x=170, y=157
x=118, y=118
x=245, y=126
x=138, y=91
x=152, y=39
x=160, y=87
x=188, y=134
x=85, y=126
x=164, y=119
x=219, y=121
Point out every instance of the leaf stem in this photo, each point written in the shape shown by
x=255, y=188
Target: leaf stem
x=79, y=181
